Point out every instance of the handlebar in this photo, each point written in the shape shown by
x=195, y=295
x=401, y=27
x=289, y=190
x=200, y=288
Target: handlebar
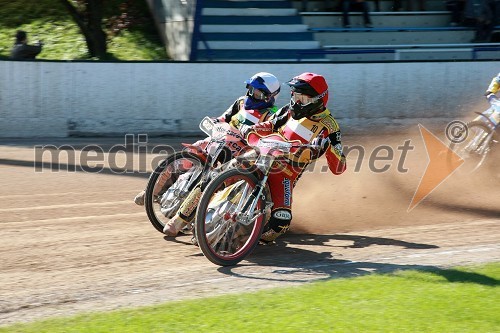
x=270, y=143
x=219, y=131
x=284, y=146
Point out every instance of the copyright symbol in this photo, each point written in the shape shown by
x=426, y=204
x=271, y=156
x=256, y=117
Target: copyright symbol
x=456, y=131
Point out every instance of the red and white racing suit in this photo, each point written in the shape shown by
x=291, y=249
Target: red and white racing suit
x=282, y=183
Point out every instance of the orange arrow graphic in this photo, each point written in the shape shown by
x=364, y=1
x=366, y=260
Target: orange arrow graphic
x=442, y=163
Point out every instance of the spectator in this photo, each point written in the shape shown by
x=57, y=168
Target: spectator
x=328, y=5
x=357, y=5
x=398, y=6
x=456, y=7
x=22, y=50
x=484, y=12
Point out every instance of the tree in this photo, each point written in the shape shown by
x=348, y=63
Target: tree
x=88, y=15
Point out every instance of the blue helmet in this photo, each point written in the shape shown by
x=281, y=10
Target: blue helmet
x=263, y=89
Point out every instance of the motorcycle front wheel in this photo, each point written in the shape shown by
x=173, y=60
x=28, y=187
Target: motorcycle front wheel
x=168, y=186
x=230, y=219
x=474, y=146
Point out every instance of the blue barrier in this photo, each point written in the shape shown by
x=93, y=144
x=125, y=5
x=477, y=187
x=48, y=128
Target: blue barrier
x=359, y=51
x=389, y=29
x=484, y=49
x=196, y=36
x=393, y=49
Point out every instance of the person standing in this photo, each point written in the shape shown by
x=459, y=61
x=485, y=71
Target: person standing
x=359, y=5
x=22, y=50
x=484, y=13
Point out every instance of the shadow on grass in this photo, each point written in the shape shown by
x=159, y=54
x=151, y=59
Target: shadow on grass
x=455, y=275
x=108, y=57
x=295, y=264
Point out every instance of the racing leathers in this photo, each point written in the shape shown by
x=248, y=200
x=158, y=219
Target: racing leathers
x=282, y=182
x=493, y=88
x=236, y=115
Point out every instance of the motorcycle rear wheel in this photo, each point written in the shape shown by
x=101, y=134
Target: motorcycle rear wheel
x=168, y=172
x=223, y=237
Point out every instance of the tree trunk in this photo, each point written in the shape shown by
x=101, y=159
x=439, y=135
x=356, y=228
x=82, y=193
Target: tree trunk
x=90, y=23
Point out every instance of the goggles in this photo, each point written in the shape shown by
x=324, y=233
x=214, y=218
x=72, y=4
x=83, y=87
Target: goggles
x=306, y=99
x=257, y=93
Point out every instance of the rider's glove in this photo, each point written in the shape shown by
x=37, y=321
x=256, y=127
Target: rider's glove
x=245, y=129
x=322, y=143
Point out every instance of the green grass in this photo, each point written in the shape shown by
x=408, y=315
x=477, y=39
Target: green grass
x=452, y=300
x=49, y=21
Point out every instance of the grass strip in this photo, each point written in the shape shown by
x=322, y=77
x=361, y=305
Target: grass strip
x=464, y=299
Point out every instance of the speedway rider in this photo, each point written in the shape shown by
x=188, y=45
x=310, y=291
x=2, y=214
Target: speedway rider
x=493, y=88
x=256, y=106
x=306, y=119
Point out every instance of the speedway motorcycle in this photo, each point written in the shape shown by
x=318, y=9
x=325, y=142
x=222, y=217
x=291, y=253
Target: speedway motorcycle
x=475, y=141
x=236, y=205
x=175, y=178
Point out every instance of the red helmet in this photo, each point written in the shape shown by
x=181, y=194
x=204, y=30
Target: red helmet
x=309, y=94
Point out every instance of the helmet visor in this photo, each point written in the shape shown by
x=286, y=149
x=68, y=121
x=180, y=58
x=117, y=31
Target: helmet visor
x=257, y=93
x=305, y=99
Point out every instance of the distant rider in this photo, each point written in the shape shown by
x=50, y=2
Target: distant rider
x=493, y=88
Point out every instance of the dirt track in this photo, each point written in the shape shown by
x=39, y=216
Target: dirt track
x=74, y=241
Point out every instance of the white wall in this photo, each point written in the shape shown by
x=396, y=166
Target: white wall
x=62, y=98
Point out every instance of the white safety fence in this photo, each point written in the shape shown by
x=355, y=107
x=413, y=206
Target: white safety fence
x=57, y=99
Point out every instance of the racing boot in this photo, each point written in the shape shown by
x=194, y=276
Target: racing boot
x=269, y=236
x=278, y=224
x=184, y=215
x=174, y=226
x=139, y=198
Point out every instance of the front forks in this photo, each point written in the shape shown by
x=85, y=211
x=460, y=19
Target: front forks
x=247, y=212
